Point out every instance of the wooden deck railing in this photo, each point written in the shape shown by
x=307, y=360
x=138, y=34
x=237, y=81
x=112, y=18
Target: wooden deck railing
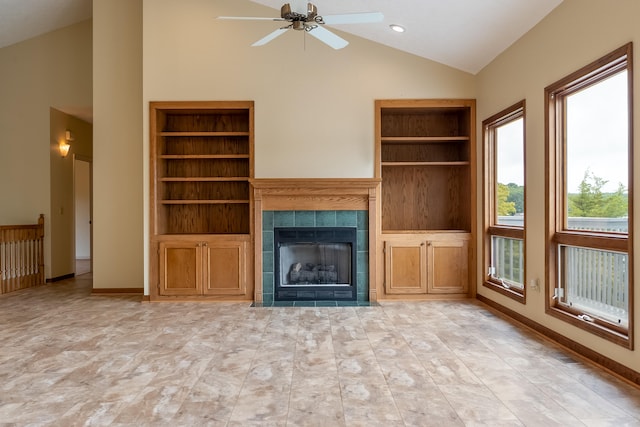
x=598, y=281
x=21, y=256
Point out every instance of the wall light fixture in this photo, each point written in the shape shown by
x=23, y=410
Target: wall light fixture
x=64, y=146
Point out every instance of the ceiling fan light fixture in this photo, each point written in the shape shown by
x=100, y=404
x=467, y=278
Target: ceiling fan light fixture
x=285, y=11
x=397, y=28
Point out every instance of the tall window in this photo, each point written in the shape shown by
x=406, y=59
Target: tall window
x=504, y=201
x=589, y=149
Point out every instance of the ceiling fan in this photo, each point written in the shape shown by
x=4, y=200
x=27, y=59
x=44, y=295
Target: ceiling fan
x=306, y=18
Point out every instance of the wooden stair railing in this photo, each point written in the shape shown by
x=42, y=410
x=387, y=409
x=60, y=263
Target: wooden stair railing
x=21, y=256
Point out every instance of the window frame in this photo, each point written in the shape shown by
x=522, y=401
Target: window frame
x=491, y=227
x=557, y=234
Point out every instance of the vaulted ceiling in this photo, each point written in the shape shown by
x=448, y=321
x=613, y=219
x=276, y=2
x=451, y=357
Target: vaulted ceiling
x=23, y=19
x=464, y=34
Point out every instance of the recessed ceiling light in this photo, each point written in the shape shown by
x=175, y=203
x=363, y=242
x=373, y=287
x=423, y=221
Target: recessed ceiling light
x=397, y=28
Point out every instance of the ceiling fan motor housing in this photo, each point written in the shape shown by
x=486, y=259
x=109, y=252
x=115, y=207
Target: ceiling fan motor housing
x=289, y=15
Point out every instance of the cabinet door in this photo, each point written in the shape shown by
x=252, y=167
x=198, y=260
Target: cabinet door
x=448, y=266
x=225, y=268
x=405, y=267
x=180, y=268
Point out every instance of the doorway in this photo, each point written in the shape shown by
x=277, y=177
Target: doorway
x=82, y=214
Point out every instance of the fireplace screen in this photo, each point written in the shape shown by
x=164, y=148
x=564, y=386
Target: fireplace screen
x=315, y=263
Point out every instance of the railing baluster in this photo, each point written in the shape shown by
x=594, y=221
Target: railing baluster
x=504, y=251
x=21, y=256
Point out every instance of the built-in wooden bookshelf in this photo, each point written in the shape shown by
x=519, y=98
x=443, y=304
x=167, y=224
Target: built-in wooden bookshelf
x=202, y=168
x=425, y=164
x=201, y=164
x=425, y=159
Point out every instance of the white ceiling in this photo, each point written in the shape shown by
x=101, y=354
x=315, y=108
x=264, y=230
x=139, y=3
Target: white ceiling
x=23, y=19
x=464, y=34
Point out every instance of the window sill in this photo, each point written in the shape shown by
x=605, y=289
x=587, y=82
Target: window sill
x=598, y=328
x=515, y=294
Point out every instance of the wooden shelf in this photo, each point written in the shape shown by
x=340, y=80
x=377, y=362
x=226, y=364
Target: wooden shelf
x=200, y=134
x=424, y=164
x=203, y=202
x=422, y=139
x=426, y=231
x=206, y=179
x=203, y=156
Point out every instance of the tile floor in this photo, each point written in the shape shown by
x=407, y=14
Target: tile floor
x=69, y=358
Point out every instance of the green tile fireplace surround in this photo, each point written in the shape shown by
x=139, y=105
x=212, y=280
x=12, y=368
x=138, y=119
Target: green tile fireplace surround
x=325, y=218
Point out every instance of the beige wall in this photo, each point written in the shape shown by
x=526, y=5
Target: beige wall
x=61, y=219
x=312, y=102
x=50, y=70
x=118, y=129
x=575, y=34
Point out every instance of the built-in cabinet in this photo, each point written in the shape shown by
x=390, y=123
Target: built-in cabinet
x=405, y=262
x=426, y=264
x=201, y=203
x=203, y=267
x=425, y=157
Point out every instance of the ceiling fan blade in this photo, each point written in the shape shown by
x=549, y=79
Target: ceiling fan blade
x=248, y=18
x=328, y=37
x=353, y=18
x=266, y=39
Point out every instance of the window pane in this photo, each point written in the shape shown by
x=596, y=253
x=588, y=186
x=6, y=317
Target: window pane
x=597, y=156
x=596, y=282
x=510, y=173
x=507, y=258
x=589, y=278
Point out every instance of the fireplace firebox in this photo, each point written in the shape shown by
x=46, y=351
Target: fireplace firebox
x=315, y=264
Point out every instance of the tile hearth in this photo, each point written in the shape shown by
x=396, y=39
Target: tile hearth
x=70, y=358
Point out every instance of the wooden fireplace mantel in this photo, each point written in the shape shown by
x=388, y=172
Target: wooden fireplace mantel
x=281, y=194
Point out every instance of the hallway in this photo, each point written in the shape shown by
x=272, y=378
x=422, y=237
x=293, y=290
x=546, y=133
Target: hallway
x=70, y=358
